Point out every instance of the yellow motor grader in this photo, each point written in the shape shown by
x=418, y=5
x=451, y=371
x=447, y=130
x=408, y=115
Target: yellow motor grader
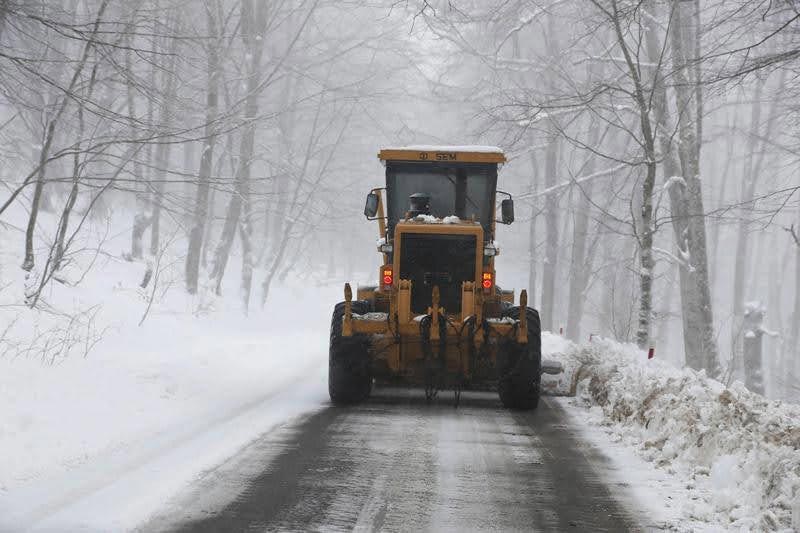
x=437, y=318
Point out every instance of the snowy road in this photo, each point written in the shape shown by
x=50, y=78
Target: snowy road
x=396, y=463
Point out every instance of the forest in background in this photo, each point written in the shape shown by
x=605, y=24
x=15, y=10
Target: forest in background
x=654, y=153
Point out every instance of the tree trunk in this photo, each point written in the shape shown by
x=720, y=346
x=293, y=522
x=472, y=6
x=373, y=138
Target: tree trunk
x=29, y=261
x=690, y=165
x=579, y=270
x=550, y=211
x=752, y=340
x=254, y=24
x=723, y=187
x=743, y=241
x=676, y=189
x=533, y=254
x=200, y=218
x=223, y=250
x=663, y=335
x=753, y=168
x=140, y=224
x=206, y=240
x=189, y=180
x=140, y=219
x=247, y=263
x=161, y=161
x=644, y=216
x=697, y=61
x=145, y=199
x=76, y=172
x=607, y=298
x=253, y=39
x=164, y=147
x=646, y=260
x=280, y=199
x=775, y=310
x=268, y=208
x=793, y=350
x=551, y=235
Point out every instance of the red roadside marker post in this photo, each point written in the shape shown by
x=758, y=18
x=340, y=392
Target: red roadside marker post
x=651, y=353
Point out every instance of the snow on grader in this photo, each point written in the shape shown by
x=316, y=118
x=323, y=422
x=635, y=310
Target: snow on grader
x=437, y=318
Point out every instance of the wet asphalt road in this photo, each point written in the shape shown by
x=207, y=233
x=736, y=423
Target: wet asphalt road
x=398, y=464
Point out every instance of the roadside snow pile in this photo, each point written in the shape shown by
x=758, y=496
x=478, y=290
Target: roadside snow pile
x=738, y=453
x=558, y=349
x=104, y=382
x=161, y=401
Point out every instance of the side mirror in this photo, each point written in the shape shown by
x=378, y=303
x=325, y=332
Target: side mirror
x=507, y=211
x=371, y=207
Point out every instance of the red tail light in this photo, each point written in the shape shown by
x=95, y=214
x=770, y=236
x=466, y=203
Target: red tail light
x=487, y=280
x=387, y=278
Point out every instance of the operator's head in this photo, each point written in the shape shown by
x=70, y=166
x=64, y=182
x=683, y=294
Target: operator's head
x=420, y=204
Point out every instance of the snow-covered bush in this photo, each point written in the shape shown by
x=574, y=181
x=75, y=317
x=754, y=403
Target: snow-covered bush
x=738, y=452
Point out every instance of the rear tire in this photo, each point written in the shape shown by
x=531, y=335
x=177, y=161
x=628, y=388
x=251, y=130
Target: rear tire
x=349, y=379
x=520, y=365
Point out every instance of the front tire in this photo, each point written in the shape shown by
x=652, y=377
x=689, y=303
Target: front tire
x=349, y=379
x=520, y=365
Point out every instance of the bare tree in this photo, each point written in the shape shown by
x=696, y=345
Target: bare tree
x=689, y=152
x=165, y=145
x=49, y=137
x=254, y=24
x=753, y=168
x=550, y=262
x=200, y=216
x=580, y=250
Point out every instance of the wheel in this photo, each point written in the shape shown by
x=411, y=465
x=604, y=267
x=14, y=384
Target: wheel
x=520, y=366
x=349, y=379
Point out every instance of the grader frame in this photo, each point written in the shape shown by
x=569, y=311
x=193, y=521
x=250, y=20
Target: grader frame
x=484, y=343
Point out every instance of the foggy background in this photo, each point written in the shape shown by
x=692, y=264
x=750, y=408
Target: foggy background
x=223, y=149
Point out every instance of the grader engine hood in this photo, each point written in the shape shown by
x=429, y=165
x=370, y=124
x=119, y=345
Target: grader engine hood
x=438, y=255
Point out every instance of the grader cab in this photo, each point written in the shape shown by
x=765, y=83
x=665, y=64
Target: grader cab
x=437, y=318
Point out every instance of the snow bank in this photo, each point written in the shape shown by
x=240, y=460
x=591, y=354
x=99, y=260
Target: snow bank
x=161, y=402
x=737, y=453
x=106, y=386
x=56, y=417
x=558, y=349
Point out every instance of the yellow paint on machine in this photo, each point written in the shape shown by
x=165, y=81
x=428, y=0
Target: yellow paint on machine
x=465, y=342
x=445, y=156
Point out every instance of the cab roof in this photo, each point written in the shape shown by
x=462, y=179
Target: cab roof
x=461, y=154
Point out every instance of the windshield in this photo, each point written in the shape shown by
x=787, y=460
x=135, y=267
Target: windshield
x=461, y=190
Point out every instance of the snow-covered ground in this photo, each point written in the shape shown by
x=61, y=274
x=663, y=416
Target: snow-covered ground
x=95, y=406
x=83, y=440
x=106, y=387
x=722, y=458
